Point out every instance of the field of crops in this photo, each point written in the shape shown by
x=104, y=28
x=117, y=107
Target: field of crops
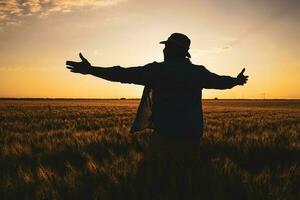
x=82, y=149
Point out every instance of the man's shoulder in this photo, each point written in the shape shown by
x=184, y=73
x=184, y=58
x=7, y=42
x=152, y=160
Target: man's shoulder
x=197, y=66
x=153, y=64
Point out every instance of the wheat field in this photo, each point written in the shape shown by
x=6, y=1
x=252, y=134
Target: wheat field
x=82, y=149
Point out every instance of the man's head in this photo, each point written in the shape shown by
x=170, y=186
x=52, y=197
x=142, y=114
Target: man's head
x=176, y=47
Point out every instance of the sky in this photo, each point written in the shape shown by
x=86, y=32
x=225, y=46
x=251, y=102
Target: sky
x=38, y=36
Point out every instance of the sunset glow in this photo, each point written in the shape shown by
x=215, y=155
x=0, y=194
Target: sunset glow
x=38, y=36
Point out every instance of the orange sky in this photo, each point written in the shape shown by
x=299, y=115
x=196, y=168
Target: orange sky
x=38, y=36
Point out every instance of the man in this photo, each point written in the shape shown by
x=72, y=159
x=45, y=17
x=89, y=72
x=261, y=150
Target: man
x=171, y=101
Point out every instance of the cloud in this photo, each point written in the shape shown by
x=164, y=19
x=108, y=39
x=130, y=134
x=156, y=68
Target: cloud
x=211, y=51
x=13, y=11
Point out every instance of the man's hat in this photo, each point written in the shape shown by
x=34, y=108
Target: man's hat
x=180, y=40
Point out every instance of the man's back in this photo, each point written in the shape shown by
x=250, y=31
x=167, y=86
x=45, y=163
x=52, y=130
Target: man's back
x=176, y=109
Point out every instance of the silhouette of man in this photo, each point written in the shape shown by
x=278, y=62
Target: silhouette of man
x=171, y=100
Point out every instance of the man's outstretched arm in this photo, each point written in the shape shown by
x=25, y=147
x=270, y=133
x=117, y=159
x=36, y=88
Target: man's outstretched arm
x=136, y=75
x=214, y=81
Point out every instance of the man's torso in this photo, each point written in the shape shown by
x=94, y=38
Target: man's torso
x=176, y=109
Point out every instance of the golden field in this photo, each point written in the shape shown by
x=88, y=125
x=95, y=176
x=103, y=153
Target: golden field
x=82, y=149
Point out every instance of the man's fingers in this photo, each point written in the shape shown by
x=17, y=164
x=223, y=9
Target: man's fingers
x=82, y=58
x=71, y=63
x=68, y=67
x=74, y=71
x=242, y=72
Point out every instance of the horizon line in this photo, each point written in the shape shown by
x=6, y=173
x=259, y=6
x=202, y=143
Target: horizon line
x=123, y=98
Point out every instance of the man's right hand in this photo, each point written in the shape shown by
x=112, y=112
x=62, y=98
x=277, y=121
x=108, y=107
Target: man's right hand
x=241, y=78
x=83, y=67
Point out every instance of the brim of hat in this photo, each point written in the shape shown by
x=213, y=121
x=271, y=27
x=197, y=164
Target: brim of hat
x=163, y=42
